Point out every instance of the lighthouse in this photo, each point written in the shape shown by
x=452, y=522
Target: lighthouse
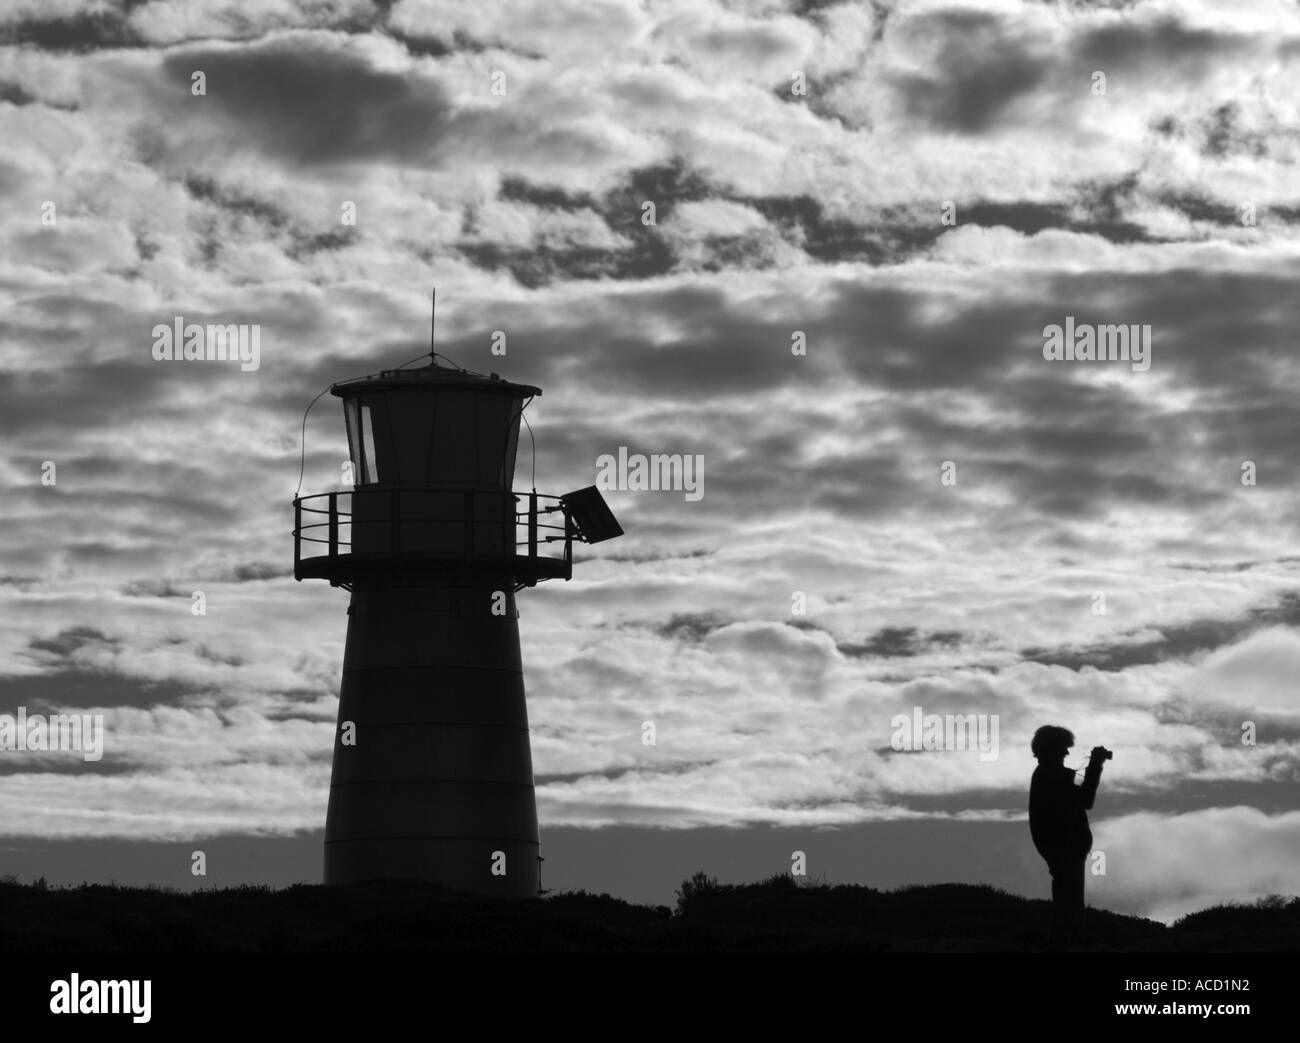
x=432, y=774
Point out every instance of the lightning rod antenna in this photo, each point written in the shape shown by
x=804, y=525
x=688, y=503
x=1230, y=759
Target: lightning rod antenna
x=433, y=313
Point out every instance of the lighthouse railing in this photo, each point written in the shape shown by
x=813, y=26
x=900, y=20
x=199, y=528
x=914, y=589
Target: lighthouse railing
x=337, y=532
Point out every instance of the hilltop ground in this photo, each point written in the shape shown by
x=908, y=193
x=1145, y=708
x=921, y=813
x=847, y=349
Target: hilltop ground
x=775, y=915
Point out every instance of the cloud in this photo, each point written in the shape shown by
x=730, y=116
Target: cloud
x=1173, y=865
x=310, y=99
x=1254, y=675
x=983, y=64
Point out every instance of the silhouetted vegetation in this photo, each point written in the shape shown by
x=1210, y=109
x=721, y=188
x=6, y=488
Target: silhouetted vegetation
x=777, y=914
x=1274, y=916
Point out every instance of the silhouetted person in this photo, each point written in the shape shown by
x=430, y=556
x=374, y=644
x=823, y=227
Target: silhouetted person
x=1058, y=822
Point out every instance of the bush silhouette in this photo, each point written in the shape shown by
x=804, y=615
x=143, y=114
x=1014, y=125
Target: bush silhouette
x=779, y=914
x=693, y=890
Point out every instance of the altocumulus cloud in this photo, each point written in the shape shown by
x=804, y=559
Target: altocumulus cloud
x=776, y=214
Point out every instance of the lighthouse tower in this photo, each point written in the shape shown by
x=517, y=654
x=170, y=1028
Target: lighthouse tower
x=433, y=776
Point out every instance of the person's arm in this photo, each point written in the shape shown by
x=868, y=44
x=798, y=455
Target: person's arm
x=1091, y=779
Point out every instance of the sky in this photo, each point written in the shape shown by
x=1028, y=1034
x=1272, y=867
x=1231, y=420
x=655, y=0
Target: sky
x=865, y=217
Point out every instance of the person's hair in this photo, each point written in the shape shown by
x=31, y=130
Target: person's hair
x=1051, y=739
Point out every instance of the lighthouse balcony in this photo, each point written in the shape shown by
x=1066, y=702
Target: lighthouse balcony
x=338, y=535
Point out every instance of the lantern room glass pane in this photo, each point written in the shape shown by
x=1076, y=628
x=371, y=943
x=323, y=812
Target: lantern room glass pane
x=354, y=436
x=411, y=415
x=361, y=441
x=493, y=437
x=455, y=459
x=369, y=464
x=516, y=410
